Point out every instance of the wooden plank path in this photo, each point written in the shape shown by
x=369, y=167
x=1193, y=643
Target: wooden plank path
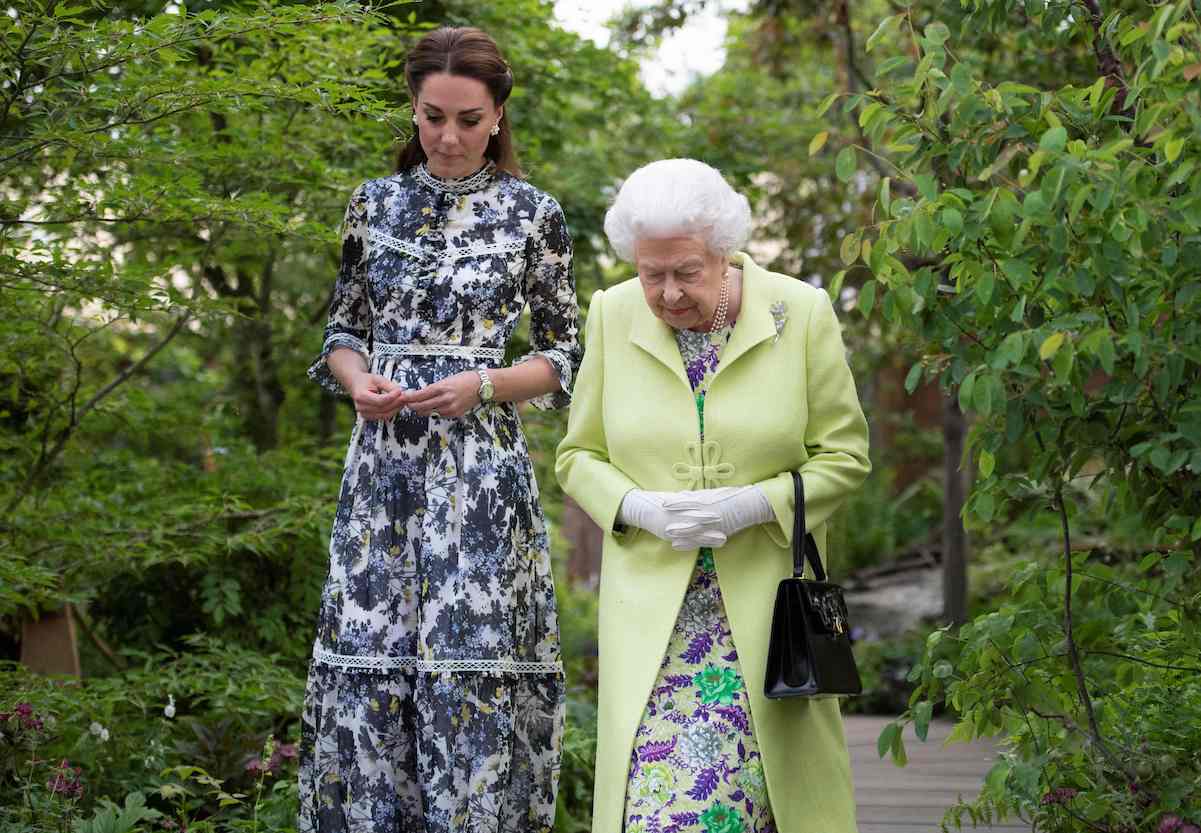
x=912, y=799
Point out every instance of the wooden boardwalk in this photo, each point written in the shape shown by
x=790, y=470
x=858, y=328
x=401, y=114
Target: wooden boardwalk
x=912, y=799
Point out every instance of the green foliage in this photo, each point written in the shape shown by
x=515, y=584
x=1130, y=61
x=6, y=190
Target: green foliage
x=119, y=734
x=1043, y=240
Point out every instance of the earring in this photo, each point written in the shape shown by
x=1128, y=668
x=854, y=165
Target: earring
x=414, y=118
x=495, y=129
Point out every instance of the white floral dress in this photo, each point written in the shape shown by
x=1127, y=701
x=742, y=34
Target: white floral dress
x=435, y=700
x=696, y=766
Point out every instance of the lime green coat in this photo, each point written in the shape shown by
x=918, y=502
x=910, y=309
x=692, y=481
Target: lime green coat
x=782, y=400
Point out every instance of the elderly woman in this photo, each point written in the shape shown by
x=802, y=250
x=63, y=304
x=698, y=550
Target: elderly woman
x=706, y=382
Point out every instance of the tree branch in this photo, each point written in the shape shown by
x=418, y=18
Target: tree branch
x=1086, y=700
x=1107, y=60
x=48, y=456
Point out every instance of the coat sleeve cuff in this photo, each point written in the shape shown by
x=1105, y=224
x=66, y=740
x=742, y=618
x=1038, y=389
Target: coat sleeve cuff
x=781, y=495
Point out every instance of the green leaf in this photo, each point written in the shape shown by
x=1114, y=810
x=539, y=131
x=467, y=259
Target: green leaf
x=885, y=740
x=1172, y=149
x=1051, y=345
x=1131, y=35
x=952, y=220
x=867, y=299
x=899, y=756
x=997, y=776
x=844, y=163
x=826, y=102
x=938, y=33
x=818, y=141
x=835, y=287
x=985, y=285
x=987, y=464
x=1055, y=138
x=943, y=669
x=881, y=30
x=1011, y=350
x=913, y=378
x=922, y=714
x=966, y=388
x=886, y=194
x=985, y=507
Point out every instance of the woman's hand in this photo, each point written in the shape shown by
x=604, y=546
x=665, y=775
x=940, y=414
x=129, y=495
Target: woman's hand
x=684, y=529
x=450, y=397
x=736, y=507
x=376, y=397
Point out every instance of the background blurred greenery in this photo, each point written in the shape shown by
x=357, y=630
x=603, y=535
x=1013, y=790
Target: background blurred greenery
x=1002, y=196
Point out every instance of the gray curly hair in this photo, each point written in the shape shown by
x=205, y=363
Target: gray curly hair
x=677, y=197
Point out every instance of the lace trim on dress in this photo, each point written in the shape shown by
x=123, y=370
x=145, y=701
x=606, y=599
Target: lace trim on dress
x=450, y=254
x=402, y=246
x=463, y=185
x=462, y=351
x=381, y=663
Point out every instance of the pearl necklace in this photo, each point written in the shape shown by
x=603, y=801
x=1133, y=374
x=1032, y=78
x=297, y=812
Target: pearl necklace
x=723, y=305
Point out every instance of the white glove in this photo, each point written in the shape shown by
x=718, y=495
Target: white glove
x=693, y=528
x=737, y=507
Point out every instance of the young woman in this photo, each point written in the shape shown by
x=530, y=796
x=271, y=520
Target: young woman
x=435, y=699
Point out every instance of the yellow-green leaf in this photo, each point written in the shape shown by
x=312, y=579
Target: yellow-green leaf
x=1172, y=149
x=849, y=250
x=818, y=141
x=1050, y=346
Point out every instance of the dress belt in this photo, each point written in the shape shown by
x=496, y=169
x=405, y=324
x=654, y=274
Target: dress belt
x=461, y=351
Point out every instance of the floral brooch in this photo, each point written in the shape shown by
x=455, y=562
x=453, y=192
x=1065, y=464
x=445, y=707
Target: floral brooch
x=779, y=314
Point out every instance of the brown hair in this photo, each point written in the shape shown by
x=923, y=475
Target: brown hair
x=470, y=53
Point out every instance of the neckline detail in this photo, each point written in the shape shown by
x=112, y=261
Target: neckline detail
x=469, y=184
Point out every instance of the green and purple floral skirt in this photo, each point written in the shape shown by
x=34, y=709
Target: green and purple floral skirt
x=696, y=766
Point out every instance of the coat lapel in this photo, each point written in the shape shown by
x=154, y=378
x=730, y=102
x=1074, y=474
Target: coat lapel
x=658, y=339
x=755, y=322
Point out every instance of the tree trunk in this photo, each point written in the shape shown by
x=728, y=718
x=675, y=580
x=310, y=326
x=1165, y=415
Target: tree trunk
x=49, y=644
x=585, y=538
x=954, y=539
x=327, y=416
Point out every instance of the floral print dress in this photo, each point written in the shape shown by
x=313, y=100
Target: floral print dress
x=435, y=700
x=696, y=766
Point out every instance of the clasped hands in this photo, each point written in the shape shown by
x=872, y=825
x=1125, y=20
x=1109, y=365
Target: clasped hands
x=694, y=519
x=378, y=397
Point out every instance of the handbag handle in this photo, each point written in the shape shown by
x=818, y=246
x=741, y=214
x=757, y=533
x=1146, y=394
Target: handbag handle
x=803, y=544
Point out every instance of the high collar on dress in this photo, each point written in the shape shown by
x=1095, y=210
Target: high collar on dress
x=469, y=184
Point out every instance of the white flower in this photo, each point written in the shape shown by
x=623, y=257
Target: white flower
x=12, y=13
x=169, y=710
x=172, y=8
x=38, y=88
x=114, y=70
x=99, y=731
x=115, y=133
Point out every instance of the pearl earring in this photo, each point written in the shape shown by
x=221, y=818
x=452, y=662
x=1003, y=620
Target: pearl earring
x=495, y=129
x=414, y=118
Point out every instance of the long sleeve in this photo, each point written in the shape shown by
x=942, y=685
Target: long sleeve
x=836, y=437
x=349, y=323
x=582, y=463
x=554, y=312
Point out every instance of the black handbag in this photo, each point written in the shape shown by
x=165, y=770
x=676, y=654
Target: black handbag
x=810, y=650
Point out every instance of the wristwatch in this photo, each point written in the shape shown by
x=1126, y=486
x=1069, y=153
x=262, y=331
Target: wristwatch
x=486, y=389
